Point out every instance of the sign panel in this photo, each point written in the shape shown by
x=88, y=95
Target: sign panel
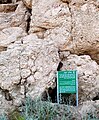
x=67, y=82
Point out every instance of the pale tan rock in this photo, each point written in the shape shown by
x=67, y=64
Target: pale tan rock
x=25, y=73
x=28, y=63
x=89, y=108
x=9, y=69
x=38, y=76
x=44, y=56
x=18, y=18
x=31, y=80
x=22, y=90
x=10, y=35
x=4, y=104
x=33, y=69
x=27, y=67
x=66, y=1
x=52, y=21
x=5, y=20
x=3, y=48
x=8, y=7
x=88, y=72
x=85, y=32
x=28, y=3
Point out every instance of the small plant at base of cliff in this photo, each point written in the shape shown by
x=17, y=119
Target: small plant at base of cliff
x=42, y=110
x=3, y=117
x=15, y=115
x=38, y=110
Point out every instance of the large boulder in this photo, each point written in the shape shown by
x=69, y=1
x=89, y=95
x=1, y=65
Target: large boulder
x=27, y=68
x=51, y=20
x=71, y=24
x=85, y=29
x=88, y=75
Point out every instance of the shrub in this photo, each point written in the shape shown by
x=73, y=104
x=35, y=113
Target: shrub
x=3, y=117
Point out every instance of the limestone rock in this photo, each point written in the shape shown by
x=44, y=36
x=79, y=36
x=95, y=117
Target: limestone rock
x=31, y=80
x=59, y=28
x=28, y=3
x=89, y=109
x=85, y=30
x=25, y=73
x=4, y=104
x=66, y=1
x=88, y=71
x=27, y=67
x=3, y=48
x=8, y=7
x=10, y=35
x=18, y=18
x=9, y=68
x=44, y=61
x=51, y=21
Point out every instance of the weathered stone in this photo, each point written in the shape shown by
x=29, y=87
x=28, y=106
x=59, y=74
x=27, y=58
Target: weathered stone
x=4, y=104
x=89, y=109
x=88, y=71
x=3, y=48
x=85, y=30
x=66, y=1
x=9, y=69
x=26, y=68
x=8, y=1
x=28, y=63
x=18, y=18
x=8, y=7
x=52, y=21
x=25, y=73
x=31, y=80
x=43, y=58
x=28, y=3
x=10, y=35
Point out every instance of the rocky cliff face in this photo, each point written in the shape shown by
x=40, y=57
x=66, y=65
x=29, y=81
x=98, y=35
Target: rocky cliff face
x=36, y=35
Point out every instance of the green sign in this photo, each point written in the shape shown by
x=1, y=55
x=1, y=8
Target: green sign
x=67, y=83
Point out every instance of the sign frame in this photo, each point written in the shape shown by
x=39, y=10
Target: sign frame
x=76, y=86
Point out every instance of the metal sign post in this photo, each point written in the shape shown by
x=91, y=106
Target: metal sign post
x=67, y=82
x=76, y=88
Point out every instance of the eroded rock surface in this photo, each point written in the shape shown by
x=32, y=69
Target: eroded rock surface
x=89, y=109
x=88, y=75
x=28, y=67
x=18, y=18
x=85, y=29
x=8, y=7
x=51, y=21
x=28, y=3
x=10, y=35
x=28, y=63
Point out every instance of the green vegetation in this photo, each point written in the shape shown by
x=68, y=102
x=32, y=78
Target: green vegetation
x=41, y=110
x=3, y=117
